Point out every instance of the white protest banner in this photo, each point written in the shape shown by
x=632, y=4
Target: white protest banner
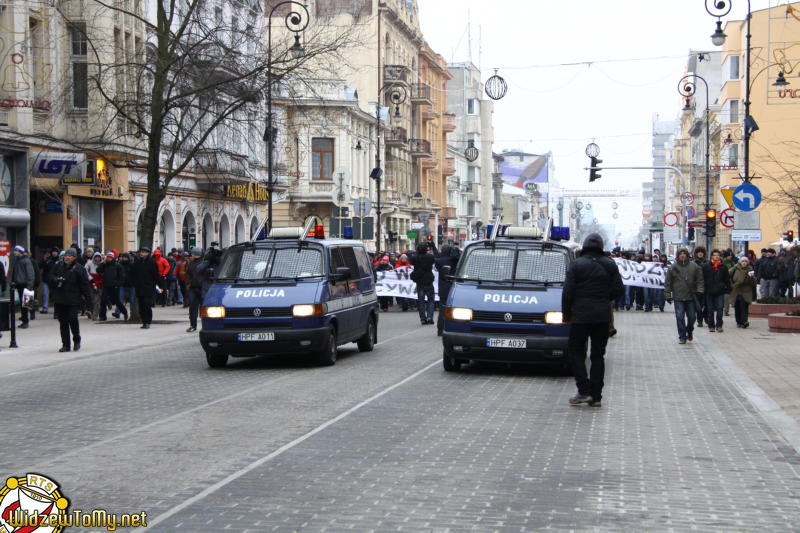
x=644, y=274
x=397, y=283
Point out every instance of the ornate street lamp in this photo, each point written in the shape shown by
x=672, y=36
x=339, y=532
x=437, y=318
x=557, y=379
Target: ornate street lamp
x=397, y=95
x=471, y=153
x=687, y=87
x=296, y=21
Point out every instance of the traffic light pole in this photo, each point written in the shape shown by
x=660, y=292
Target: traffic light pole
x=684, y=218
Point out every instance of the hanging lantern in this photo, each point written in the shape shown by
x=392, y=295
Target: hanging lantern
x=471, y=153
x=496, y=87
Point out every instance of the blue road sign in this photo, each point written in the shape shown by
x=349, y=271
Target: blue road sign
x=746, y=197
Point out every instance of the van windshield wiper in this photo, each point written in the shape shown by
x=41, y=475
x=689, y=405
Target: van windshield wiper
x=533, y=281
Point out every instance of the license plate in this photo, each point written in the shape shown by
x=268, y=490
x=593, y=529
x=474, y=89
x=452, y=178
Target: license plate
x=506, y=343
x=257, y=336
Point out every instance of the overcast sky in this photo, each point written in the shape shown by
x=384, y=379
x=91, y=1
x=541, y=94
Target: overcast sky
x=630, y=54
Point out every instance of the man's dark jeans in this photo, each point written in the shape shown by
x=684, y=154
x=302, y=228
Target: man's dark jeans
x=685, y=316
x=578, y=335
x=68, y=321
x=425, y=308
x=195, y=298
x=714, y=307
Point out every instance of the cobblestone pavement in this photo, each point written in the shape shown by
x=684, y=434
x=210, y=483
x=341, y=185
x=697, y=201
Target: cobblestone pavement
x=389, y=441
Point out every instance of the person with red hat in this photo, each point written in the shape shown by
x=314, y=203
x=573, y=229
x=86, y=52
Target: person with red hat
x=383, y=266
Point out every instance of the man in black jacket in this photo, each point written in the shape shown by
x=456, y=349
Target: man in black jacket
x=145, y=276
x=423, y=277
x=445, y=265
x=47, y=266
x=69, y=284
x=195, y=278
x=593, y=281
x=113, y=276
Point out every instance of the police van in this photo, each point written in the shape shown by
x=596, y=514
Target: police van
x=505, y=300
x=294, y=292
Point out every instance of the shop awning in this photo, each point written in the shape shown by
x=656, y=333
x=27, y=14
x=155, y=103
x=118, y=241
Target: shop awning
x=12, y=216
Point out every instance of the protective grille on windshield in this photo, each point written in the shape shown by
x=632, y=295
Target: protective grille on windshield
x=489, y=263
x=292, y=263
x=253, y=263
x=541, y=265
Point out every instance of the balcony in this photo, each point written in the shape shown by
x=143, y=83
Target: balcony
x=448, y=212
x=449, y=122
x=429, y=113
x=421, y=94
x=321, y=191
x=396, y=137
x=419, y=203
x=449, y=167
x=419, y=147
x=395, y=73
x=432, y=161
x=220, y=163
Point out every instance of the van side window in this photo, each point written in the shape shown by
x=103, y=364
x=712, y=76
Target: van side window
x=349, y=257
x=336, y=260
x=363, y=263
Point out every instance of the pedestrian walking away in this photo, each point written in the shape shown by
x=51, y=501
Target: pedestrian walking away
x=423, y=276
x=683, y=282
x=69, y=285
x=446, y=266
x=592, y=284
x=743, y=280
x=701, y=258
x=144, y=272
x=47, y=266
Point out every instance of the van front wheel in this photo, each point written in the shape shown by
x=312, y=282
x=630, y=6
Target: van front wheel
x=328, y=355
x=370, y=338
x=216, y=360
x=450, y=363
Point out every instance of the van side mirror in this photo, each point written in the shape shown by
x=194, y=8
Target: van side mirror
x=342, y=274
x=445, y=271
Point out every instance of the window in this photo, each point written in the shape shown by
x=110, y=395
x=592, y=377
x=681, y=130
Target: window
x=734, y=68
x=80, y=69
x=321, y=158
x=733, y=156
x=473, y=106
x=472, y=176
x=734, y=111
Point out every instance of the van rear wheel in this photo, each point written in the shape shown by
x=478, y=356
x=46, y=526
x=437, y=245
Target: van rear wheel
x=328, y=355
x=370, y=338
x=216, y=360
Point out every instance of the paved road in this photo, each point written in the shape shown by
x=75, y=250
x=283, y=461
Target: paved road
x=388, y=441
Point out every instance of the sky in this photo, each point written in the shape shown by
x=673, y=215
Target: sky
x=580, y=71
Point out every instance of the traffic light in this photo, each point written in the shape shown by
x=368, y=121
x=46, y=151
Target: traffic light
x=691, y=234
x=594, y=174
x=392, y=236
x=711, y=222
x=439, y=234
x=789, y=236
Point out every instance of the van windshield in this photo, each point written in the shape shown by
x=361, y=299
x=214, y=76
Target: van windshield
x=513, y=263
x=271, y=263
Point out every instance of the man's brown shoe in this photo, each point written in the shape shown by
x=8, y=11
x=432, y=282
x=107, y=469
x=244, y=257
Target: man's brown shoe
x=681, y=341
x=595, y=403
x=690, y=336
x=580, y=398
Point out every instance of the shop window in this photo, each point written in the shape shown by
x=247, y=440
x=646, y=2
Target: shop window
x=321, y=158
x=80, y=69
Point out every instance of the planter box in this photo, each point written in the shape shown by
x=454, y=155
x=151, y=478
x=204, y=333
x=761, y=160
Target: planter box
x=783, y=323
x=764, y=310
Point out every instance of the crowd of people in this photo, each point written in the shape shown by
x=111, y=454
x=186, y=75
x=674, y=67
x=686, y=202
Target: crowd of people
x=91, y=283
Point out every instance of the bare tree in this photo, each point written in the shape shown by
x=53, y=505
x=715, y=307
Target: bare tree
x=196, y=80
x=784, y=172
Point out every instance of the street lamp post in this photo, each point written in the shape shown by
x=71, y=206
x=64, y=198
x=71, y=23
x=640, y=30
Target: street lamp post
x=687, y=87
x=296, y=21
x=398, y=96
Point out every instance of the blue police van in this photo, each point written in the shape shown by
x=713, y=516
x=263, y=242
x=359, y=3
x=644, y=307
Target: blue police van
x=290, y=293
x=505, y=300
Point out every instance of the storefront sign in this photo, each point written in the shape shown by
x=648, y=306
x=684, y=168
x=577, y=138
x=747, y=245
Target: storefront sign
x=69, y=168
x=5, y=249
x=252, y=192
x=39, y=104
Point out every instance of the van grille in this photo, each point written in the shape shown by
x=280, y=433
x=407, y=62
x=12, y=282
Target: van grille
x=247, y=312
x=516, y=318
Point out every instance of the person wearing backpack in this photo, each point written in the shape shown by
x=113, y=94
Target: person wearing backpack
x=683, y=282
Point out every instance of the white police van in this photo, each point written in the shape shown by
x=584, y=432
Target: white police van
x=505, y=301
x=292, y=293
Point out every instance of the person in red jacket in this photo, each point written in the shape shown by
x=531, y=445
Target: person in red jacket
x=163, y=270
